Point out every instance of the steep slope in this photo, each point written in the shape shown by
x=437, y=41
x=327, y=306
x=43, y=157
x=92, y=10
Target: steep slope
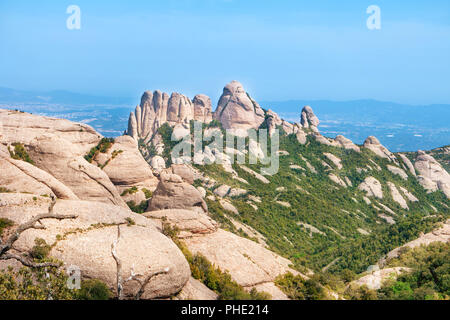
x=331, y=204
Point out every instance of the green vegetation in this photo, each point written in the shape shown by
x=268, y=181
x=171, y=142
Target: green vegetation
x=429, y=278
x=47, y=283
x=5, y=223
x=148, y=194
x=166, y=134
x=296, y=288
x=20, y=153
x=40, y=250
x=103, y=146
x=214, y=278
x=130, y=221
x=93, y=290
x=140, y=208
x=5, y=190
x=131, y=190
x=337, y=212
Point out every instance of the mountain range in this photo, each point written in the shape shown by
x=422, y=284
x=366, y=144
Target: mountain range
x=400, y=127
x=336, y=220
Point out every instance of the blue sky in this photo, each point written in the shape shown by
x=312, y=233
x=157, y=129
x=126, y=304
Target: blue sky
x=279, y=50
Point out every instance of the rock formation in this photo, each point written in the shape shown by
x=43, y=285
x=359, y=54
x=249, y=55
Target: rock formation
x=374, y=145
x=397, y=171
x=157, y=108
x=372, y=187
x=125, y=166
x=308, y=119
x=174, y=192
x=346, y=143
x=237, y=110
x=432, y=176
x=396, y=196
x=97, y=233
x=408, y=164
x=58, y=147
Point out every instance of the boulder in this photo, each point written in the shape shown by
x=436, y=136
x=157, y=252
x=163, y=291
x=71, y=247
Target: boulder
x=157, y=163
x=301, y=136
x=248, y=262
x=190, y=223
x=346, y=143
x=335, y=160
x=398, y=171
x=174, y=193
x=195, y=290
x=222, y=191
x=376, y=147
x=432, y=176
x=20, y=176
x=88, y=241
x=396, y=196
x=372, y=187
x=408, y=164
x=337, y=180
x=126, y=167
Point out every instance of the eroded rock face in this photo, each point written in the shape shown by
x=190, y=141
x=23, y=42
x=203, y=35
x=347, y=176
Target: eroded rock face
x=374, y=280
x=397, y=196
x=346, y=143
x=195, y=290
x=20, y=176
x=398, y=171
x=248, y=262
x=125, y=165
x=202, y=108
x=432, y=176
x=408, y=164
x=440, y=235
x=24, y=127
x=236, y=110
x=372, y=187
x=190, y=223
x=59, y=157
x=87, y=242
x=309, y=119
x=374, y=145
x=157, y=108
x=173, y=192
x=58, y=147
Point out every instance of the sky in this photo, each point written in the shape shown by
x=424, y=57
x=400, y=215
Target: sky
x=279, y=50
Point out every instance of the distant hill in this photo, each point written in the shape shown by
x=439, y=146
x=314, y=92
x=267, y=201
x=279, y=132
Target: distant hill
x=398, y=126
x=8, y=95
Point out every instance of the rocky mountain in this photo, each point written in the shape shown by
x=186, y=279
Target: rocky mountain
x=151, y=226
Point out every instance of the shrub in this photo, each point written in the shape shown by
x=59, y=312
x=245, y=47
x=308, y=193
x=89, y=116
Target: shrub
x=94, y=289
x=137, y=208
x=20, y=153
x=5, y=223
x=103, y=146
x=40, y=250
